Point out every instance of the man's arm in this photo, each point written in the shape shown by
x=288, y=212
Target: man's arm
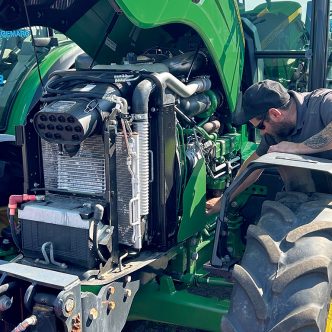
x=320, y=142
x=213, y=205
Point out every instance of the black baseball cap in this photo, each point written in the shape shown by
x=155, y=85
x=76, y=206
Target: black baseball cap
x=259, y=98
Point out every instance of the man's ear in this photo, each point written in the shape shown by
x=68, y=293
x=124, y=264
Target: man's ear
x=275, y=114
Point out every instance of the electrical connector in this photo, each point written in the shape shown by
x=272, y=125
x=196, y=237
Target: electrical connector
x=14, y=200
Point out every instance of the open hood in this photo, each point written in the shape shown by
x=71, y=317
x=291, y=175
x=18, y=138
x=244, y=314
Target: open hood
x=107, y=30
x=100, y=27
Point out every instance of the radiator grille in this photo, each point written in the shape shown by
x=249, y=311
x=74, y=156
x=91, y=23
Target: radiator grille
x=82, y=173
x=124, y=192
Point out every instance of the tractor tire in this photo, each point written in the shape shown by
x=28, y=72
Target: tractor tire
x=284, y=281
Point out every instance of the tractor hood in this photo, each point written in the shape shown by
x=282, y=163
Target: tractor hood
x=109, y=29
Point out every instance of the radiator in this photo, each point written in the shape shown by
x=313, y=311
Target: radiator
x=82, y=173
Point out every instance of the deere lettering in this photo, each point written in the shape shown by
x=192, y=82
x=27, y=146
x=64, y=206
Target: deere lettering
x=14, y=33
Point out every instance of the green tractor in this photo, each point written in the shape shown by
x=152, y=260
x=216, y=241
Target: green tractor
x=121, y=152
x=21, y=88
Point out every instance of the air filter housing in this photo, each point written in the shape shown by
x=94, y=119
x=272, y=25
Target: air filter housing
x=70, y=122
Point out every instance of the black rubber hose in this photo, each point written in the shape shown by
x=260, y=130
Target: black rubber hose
x=48, y=99
x=72, y=96
x=44, y=298
x=184, y=117
x=14, y=234
x=92, y=71
x=50, y=86
x=141, y=96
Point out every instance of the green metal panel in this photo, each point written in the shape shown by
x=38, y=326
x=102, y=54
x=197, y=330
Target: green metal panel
x=30, y=85
x=217, y=22
x=164, y=303
x=194, y=219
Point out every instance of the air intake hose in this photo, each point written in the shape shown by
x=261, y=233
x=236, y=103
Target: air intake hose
x=141, y=97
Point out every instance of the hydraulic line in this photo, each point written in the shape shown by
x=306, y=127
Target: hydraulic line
x=14, y=200
x=30, y=321
x=13, y=231
x=213, y=281
x=58, y=87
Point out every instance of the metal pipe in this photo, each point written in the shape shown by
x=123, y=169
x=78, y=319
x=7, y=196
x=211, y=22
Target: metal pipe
x=30, y=321
x=97, y=217
x=5, y=287
x=140, y=109
x=213, y=281
x=185, y=91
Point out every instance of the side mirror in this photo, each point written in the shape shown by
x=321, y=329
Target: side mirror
x=47, y=42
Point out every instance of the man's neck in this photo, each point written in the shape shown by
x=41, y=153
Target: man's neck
x=292, y=114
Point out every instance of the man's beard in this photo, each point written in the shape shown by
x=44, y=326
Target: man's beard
x=282, y=130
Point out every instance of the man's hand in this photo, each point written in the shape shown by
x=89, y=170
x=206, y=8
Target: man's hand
x=213, y=206
x=287, y=147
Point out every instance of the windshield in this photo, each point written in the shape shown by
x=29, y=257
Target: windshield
x=17, y=58
x=281, y=31
x=15, y=46
x=281, y=25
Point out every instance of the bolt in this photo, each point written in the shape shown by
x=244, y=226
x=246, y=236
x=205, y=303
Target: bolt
x=230, y=249
x=93, y=314
x=69, y=305
x=194, y=256
x=127, y=279
x=234, y=204
x=127, y=292
x=108, y=231
x=111, y=305
x=153, y=109
x=111, y=290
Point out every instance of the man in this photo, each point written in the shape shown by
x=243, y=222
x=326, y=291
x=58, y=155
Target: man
x=290, y=122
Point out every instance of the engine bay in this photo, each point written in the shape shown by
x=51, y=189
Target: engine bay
x=118, y=145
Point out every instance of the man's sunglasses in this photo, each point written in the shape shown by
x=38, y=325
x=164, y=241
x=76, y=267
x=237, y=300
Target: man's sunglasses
x=261, y=125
